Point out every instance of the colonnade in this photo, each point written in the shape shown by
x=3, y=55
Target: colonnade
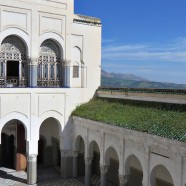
x=146, y=153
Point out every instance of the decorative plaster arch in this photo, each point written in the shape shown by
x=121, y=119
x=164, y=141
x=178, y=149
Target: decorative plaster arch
x=127, y=163
x=76, y=142
x=79, y=48
x=153, y=172
x=56, y=38
x=52, y=114
x=80, y=51
x=16, y=116
x=107, y=158
x=115, y=144
x=91, y=147
x=19, y=33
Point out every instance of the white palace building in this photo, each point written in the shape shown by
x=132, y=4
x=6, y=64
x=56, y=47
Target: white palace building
x=49, y=63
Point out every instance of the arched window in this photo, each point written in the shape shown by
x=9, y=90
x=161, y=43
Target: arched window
x=13, y=65
x=49, y=64
x=77, y=68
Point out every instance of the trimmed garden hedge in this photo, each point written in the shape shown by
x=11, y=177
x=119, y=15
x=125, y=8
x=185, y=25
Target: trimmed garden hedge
x=158, y=120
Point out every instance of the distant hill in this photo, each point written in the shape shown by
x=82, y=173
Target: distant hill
x=132, y=81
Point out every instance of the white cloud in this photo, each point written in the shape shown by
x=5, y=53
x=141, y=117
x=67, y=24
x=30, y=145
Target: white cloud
x=174, y=51
x=104, y=41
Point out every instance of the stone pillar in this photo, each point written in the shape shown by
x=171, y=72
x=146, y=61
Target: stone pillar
x=104, y=170
x=66, y=73
x=63, y=163
x=5, y=70
x=75, y=164
x=31, y=169
x=66, y=163
x=83, y=75
x=33, y=72
x=123, y=179
x=88, y=171
x=20, y=71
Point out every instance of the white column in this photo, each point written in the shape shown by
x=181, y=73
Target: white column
x=5, y=70
x=0, y=69
x=104, y=170
x=48, y=66
x=123, y=179
x=88, y=170
x=42, y=70
x=82, y=75
x=32, y=169
x=32, y=152
x=75, y=164
x=20, y=71
x=55, y=70
x=146, y=166
x=33, y=72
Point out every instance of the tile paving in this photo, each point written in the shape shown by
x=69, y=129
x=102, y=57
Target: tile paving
x=47, y=176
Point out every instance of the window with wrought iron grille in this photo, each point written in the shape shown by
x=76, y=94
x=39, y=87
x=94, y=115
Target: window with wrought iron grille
x=75, y=71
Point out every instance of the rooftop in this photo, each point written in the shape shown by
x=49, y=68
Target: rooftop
x=87, y=20
x=162, y=119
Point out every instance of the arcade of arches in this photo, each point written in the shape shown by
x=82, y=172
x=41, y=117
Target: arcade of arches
x=87, y=159
x=108, y=173
x=48, y=145
x=13, y=148
x=48, y=70
x=118, y=157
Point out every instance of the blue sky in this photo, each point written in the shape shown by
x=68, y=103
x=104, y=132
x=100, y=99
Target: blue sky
x=142, y=37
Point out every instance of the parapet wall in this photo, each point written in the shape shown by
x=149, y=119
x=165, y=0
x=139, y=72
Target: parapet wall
x=150, y=150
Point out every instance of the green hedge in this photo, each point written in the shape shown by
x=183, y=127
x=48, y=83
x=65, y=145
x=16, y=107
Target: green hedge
x=158, y=121
x=144, y=90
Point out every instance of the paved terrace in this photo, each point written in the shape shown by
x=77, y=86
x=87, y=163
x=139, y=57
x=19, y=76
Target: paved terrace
x=47, y=176
x=154, y=95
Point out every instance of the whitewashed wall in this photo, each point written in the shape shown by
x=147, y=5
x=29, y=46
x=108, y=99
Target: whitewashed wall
x=147, y=151
x=35, y=21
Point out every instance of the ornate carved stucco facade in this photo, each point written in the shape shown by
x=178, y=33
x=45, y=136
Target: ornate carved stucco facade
x=49, y=63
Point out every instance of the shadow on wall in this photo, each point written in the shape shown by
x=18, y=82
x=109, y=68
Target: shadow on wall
x=48, y=144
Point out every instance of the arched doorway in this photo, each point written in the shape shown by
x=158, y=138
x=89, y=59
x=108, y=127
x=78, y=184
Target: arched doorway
x=13, y=66
x=95, y=153
x=112, y=161
x=49, y=66
x=48, y=145
x=13, y=146
x=80, y=148
x=160, y=176
x=134, y=170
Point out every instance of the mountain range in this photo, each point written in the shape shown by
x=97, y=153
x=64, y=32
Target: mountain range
x=111, y=79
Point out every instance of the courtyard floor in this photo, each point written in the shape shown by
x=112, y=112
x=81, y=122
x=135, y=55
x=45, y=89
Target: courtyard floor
x=47, y=176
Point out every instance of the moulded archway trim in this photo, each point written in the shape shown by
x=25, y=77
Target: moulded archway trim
x=20, y=34
x=91, y=146
x=16, y=116
x=115, y=145
x=127, y=163
x=107, y=158
x=153, y=171
x=80, y=51
x=75, y=46
x=58, y=39
x=76, y=142
x=52, y=114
